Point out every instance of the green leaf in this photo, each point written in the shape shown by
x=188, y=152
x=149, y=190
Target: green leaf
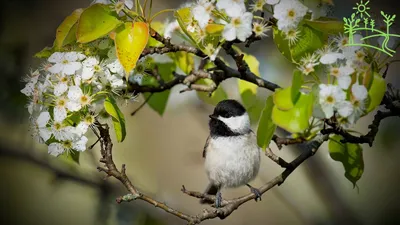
x=184, y=17
x=255, y=110
x=67, y=27
x=309, y=42
x=71, y=37
x=159, y=27
x=158, y=101
x=328, y=26
x=266, y=127
x=297, y=82
x=218, y=95
x=281, y=43
x=295, y=120
x=283, y=99
x=350, y=155
x=45, y=52
x=184, y=60
x=376, y=92
x=118, y=118
x=95, y=22
x=72, y=156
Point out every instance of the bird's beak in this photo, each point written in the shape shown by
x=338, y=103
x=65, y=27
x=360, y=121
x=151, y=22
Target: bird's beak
x=213, y=117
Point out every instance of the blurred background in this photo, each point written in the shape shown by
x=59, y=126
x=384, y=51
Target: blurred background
x=163, y=153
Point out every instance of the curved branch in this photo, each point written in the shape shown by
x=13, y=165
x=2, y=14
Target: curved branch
x=228, y=206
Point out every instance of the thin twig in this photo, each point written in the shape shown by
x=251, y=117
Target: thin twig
x=141, y=106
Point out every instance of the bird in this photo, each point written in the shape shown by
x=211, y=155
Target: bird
x=232, y=156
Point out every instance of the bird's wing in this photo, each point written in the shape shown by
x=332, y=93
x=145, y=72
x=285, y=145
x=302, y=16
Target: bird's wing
x=205, y=147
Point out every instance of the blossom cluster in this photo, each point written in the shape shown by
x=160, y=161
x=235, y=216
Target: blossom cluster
x=66, y=93
x=345, y=67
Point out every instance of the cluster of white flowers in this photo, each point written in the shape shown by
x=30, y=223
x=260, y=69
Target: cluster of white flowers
x=232, y=14
x=344, y=64
x=65, y=95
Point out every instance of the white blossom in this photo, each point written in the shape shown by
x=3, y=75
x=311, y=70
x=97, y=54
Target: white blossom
x=272, y=2
x=202, y=12
x=115, y=66
x=65, y=63
x=28, y=89
x=289, y=13
x=233, y=8
x=60, y=109
x=358, y=100
x=345, y=108
x=260, y=29
x=41, y=125
x=57, y=148
x=239, y=27
x=331, y=57
x=77, y=99
x=62, y=86
x=171, y=28
x=330, y=98
x=90, y=66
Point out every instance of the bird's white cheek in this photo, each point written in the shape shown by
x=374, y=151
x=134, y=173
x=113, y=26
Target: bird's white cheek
x=240, y=124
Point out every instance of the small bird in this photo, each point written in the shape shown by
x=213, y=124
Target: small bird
x=232, y=156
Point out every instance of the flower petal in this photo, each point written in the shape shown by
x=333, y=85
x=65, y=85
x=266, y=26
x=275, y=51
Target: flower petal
x=60, y=89
x=55, y=149
x=229, y=32
x=81, y=144
x=56, y=57
x=43, y=119
x=60, y=113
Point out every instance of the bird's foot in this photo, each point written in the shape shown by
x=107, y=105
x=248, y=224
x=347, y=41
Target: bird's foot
x=255, y=191
x=218, y=199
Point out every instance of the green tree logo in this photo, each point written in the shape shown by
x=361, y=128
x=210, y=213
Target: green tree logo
x=354, y=24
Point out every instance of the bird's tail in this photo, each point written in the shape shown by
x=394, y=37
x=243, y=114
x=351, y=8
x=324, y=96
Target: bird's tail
x=210, y=190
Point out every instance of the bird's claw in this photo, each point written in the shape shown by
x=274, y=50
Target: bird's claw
x=218, y=200
x=256, y=192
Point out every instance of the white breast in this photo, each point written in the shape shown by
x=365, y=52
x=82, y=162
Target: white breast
x=232, y=161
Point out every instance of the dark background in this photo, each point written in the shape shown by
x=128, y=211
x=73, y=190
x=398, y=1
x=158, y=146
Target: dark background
x=162, y=153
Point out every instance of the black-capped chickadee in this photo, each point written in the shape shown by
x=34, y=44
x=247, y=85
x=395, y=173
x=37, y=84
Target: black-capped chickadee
x=232, y=156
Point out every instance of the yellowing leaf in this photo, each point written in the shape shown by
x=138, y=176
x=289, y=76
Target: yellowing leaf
x=185, y=19
x=296, y=119
x=283, y=99
x=66, y=27
x=247, y=90
x=376, y=92
x=130, y=40
x=214, y=29
x=96, y=21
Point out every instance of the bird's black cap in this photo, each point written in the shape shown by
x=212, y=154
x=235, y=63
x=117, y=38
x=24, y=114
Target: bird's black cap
x=228, y=108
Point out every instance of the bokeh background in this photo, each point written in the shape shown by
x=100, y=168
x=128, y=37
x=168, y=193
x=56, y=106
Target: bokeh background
x=162, y=153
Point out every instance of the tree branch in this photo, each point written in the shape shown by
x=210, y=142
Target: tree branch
x=228, y=206
x=243, y=71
